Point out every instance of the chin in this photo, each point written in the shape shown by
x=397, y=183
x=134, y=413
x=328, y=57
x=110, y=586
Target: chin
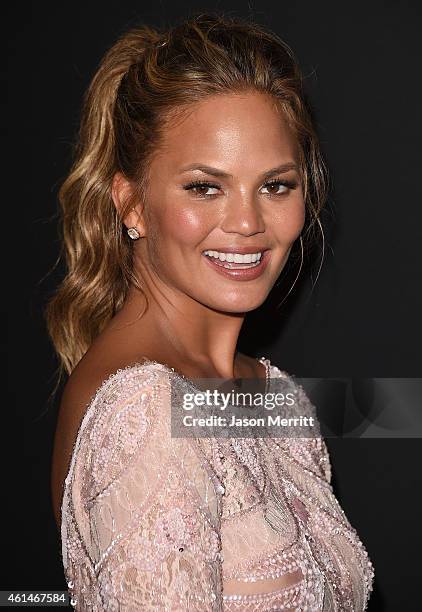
x=238, y=305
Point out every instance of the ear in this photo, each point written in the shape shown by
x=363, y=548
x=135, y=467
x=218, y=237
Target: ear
x=121, y=191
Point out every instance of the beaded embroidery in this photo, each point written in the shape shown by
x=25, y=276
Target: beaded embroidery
x=151, y=522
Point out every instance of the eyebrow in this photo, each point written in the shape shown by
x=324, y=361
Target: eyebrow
x=220, y=173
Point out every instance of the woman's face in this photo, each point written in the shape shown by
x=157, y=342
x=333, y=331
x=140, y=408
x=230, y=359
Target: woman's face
x=249, y=200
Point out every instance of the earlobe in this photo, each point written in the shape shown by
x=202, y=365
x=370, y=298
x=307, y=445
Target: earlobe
x=121, y=193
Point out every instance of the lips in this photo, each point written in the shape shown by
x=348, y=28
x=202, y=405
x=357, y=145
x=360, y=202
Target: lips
x=240, y=271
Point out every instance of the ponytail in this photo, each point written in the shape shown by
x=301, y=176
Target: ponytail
x=98, y=259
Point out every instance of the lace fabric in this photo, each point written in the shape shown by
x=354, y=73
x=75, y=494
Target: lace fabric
x=152, y=522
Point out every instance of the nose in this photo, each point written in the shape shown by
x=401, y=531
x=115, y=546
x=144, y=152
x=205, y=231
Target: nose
x=243, y=215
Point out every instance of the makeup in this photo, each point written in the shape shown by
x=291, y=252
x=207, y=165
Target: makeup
x=239, y=270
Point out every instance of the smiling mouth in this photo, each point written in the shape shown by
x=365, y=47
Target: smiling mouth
x=235, y=261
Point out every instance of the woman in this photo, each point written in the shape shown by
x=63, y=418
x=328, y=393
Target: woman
x=197, y=170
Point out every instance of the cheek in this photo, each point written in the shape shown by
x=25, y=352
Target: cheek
x=289, y=220
x=185, y=225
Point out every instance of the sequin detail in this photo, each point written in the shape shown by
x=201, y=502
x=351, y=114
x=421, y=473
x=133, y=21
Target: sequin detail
x=151, y=522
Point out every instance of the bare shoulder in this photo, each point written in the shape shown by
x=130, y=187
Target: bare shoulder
x=90, y=376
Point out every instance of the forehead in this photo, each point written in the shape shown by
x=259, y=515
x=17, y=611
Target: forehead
x=228, y=128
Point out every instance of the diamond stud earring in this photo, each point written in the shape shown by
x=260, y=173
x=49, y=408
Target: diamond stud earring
x=133, y=233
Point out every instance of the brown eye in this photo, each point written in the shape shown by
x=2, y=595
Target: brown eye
x=278, y=187
x=200, y=187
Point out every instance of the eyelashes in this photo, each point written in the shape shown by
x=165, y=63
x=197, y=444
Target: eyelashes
x=200, y=184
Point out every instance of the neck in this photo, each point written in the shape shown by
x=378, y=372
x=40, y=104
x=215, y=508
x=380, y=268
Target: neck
x=192, y=332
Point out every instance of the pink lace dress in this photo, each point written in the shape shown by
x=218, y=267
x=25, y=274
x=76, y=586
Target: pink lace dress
x=154, y=522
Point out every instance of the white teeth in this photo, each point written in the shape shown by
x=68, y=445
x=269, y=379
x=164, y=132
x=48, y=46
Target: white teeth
x=235, y=257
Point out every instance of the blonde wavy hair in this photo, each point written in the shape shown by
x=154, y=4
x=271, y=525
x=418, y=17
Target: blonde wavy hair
x=144, y=82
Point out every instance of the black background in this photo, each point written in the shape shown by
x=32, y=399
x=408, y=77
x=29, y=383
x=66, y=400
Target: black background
x=361, y=318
